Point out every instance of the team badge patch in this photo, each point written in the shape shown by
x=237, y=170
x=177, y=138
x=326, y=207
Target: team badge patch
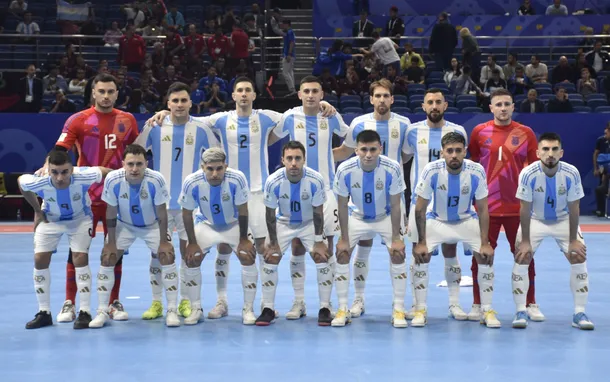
x=144, y=194
x=394, y=133
x=515, y=141
x=323, y=125
x=465, y=190
x=561, y=190
x=190, y=140
x=304, y=196
x=379, y=184
x=76, y=197
x=254, y=127
x=225, y=197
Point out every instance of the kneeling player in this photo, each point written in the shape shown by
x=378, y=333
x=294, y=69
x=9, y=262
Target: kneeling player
x=453, y=182
x=550, y=193
x=300, y=194
x=375, y=185
x=66, y=209
x=139, y=197
x=221, y=194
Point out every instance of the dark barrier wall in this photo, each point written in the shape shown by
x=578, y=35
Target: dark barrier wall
x=26, y=138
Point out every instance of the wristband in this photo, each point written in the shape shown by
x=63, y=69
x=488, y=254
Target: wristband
x=319, y=238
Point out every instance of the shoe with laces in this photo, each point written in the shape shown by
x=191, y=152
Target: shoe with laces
x=475, y=313
x=68, y=312
x=247, y=315
x=171, y=319
x=325, y=318
x=457, y=313
x=399, y=320
x=221, y=309
x=357, y=308
x=83, y=320
x=342, y=318
x=117, y=312
x=100, y=320
x=195, y=317
x=534, y=313
x=490, y=320
x=297, y=311
x=520, y=320
x=42, y=319
x=184, y=308
x=266, y=318
x=155, y=311
x=582, y=322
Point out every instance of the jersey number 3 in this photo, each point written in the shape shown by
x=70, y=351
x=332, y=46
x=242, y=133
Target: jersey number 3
x=110, y=141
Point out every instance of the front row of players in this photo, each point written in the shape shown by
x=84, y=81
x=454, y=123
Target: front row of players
x=294, y=197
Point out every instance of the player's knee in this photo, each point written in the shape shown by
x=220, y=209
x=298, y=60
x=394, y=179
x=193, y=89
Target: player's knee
x=109, y=259
x=224, y=249
x=167, y=258
x=80, y=259
x=42, y=260
x=319, y=259
x=576, y=259
x=297, y=248
x=397, y=258
x=343, y=258
x=274, y=260
x=366, y=243
x=449, y=250
x=245, y=260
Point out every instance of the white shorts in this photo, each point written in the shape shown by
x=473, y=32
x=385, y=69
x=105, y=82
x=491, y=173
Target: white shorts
x=256, y=215
x=331, y=215
x=403, y=223
x=175, y=222
x=359, y=229
x=558, y=230
x=467, y=231
x=208, y=236
x=304, y=232
x=47, y=235
x=126, y=234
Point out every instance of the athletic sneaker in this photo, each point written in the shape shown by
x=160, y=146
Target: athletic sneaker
x=195, y=317
x=100, y=320
x=357, y=308
x=520, y=320
x=117, y=312
x=342, y=318
x=83, y=320
x=325, y=318
x=68, y=312
x=184, y=308
x=581, y=321
x=297, y=311
x=420, y=319
x=155, y=311
x=266, y=318
x=457, y=313
x=172, y=320
x=277, y=314
x=476, y=314
x=42, y=319
x=221, y=309
x=490, y=320
x=399, y=320
x=534, y=313
x=410, y=313
x=247, y=315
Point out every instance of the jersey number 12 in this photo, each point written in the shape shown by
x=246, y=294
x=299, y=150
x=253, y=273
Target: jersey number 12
x=110, y=141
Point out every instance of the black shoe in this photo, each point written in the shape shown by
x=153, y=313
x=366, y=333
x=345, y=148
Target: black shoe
x=324, y=317
x=83, y=320
x=41, y=320
x=266, y=318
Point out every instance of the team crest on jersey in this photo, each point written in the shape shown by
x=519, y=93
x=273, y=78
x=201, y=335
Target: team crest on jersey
x=379, y=184
x=561, y=190
x=465, y=190
x=394, y=133
x=76, y=197
x=143, y=194
x=190, y=140
x=515, y=141
x=254, y=127
x=487, y=142
x=231, y=127
x=300, y=126
x=323, y=125
x=304, y=196
x=225, y=197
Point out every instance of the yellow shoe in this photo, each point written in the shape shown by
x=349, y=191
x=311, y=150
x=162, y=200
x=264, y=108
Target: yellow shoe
x=419, y=319
x=399, y=319
x=490, y=320
x=155, y=311
x=342, y=318
x=184, y=308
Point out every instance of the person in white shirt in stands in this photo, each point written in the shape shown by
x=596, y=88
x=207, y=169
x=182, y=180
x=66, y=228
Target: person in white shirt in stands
x=557, y=9
x=113, y=35
x=537, y=71
x=27, y=26
x=487, y=70
x=385, y=50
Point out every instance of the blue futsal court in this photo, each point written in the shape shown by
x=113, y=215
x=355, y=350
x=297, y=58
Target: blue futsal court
x=367, y=350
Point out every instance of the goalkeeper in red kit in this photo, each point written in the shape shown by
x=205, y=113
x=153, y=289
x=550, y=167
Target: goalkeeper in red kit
x=504, y=148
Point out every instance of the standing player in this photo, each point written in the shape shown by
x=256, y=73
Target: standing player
x=139, y=197
x=66, y=209
x=392, y=129
x=550, y=193
x=315, y=132
x=221, y=194
x=375, y=185
x=100, y=135
x=424, y=145
x=299, y=194
x=504, y=147
x=453, y=182
x=177, y=145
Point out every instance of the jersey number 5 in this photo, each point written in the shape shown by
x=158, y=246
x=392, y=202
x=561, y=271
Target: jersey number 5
x=110, y=141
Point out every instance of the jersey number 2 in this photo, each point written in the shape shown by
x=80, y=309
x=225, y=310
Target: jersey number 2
x=110, y=141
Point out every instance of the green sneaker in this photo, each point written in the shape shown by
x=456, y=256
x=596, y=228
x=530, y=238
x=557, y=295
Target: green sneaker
x=184, y=308
x=155, y=311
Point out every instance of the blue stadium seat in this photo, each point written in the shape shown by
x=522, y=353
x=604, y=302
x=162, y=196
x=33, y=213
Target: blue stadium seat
x=418, y=110
x=546, y=97
x=401, y=110
x=595, y=103
x=452, y=110
x=464, y=103
x=416, y=88
x=330, y=97
x=349, y=117
x=596, y=96
x=576, y=101
x=349, y=103
x=569, y=87
x=577, y=96
x=357, y=110
x=470, y=97
x=520, y=98
x=582, y=109
x=439, y=85
x=602, y=109
x=415, y=103
x=400, y=103
x=546, y=91
x=400, y=97
x=472, y=110
x=349, y=97
x=435, y=75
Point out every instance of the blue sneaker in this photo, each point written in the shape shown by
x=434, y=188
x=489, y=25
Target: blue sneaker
x=581, y=321
x=520, y=320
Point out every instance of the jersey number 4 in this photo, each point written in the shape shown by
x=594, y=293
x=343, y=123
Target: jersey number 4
x=110, y=141
x=550, y=201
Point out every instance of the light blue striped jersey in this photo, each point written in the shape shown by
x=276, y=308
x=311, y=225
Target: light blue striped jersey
x=550, y=195
x=177, y=151
x=369, y=191
x=424, y=143
x=452, y=194
x=137, y=203
x=295, y=201
x=218, y=204
x=70, y=203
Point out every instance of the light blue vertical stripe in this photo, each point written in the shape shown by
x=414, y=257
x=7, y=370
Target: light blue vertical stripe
x=388, y=182
x=433, y=182
x=176, y=167
x=289, y=126
x=550, y=199
x=368, y=187
x=84, y=191
x=243, y=153
x=154, y=141
x=216, y=199
x=221, y=124
x=382, y=130
x=202, y=144
x=233, y=188
x=474, y=185
x=311, y=127
x=152, y=191
x=296, y=215
x=568, y=188
x=63, y=200
x=434, y=143
x=453, y=197
x=134, y=201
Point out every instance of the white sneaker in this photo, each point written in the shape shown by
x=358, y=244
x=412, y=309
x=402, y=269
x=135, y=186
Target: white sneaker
x=117, y=312
x=398, y=319
x=534, y=313
x=100, y=319
x=194, y=318
x=247, y=315
x=476, y=314
x=490, y=320
x=420, y=319
x=68, y=312
x=297, y=311
x=357, y=308
x=172, y=320
x=342, y=318
x=410, y=313
x=221, y=309
x=457, y=313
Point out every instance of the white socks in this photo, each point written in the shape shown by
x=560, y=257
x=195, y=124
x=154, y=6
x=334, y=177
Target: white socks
x=579, y=283
x=192, y=286
x=453, y=276
x=249, y=278
x=183, y=288
x=342, y=284
x=421, y=278
x=486, y=285
x=520, y=284
x=398, y=272
x=105, y=282
x=297, y=274
x=83, y=284
x=361, y=270
x=221, y=271
x=156, y=281
x=269, y=285
x=325, y=283
x=42, y=287
x=170, y=283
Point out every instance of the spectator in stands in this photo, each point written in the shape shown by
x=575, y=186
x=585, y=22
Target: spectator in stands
x=372, y=76
x=454, y=73
x=135, y=15
x=210, y=27
x=197, y=97
x=526, y=9
x=150, y=96
x=71, y=55
x=537, y=72
x=148, y=74
x=561, y=103
x=169, y=78
x=395, y=26
x=598, y=59
x=495, y=82
x=288, y=57
x=174, y=44
x=385, y=50
x=158, y=54
x=77, y=85
x=30, y=91
x=63, y=68
x=557, y=9
x=229, y=20
x=198, y=69
x=239, y=48
x=113, y=35
x=363, y=28
x=519, y=83
x=443, y=41
x=601, y=168
x=221, y=69
x=532, y=104
x=251, y=28
x=399, y=83
x=179, y=68
x=464, y=83
x=53, y=81
x=62, y=104
x=27, y=28
x=586, y=85
x=471, y=52
x=81, y=64
x=405, y=60
x=18, y=7
x=218, y=45
x=350, y=85
x=415, y=74
x=132, y=49
x=124, y=96
x=562, y=72
x=206, y=82
x=214, y=99
x=511, y=64
x=329, y=83
x=588, y=42
x=194, y=44
x=487, y=70
x=175, y=19
x=581, y=62
x=152, y=30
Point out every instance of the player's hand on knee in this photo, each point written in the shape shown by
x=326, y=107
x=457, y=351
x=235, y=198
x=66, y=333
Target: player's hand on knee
x=320, y=252
x=39, y=217
x=420, y=253
x=577, y=252
x=343, y=249
x=487, y=253
x=246, y=251
x=524, y=253
x=398, y=248
x=110, y=254
x=193, y=254
x=166, y=253
x=272, y=253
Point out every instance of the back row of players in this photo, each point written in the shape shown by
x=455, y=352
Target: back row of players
x=233, y=191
